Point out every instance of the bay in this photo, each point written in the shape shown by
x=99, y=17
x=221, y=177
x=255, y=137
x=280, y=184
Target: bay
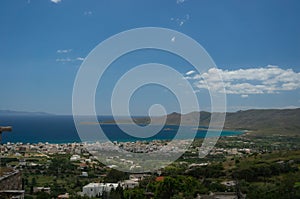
x=61, y=129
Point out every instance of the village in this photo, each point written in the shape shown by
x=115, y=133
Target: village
x=69, y=170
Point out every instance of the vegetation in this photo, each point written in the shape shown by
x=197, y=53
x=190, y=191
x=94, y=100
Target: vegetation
x=268, y=175
x=271, y=170
x=259, y=122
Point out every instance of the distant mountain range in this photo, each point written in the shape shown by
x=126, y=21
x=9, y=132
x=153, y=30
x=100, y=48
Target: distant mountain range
x=259, y=121
x=16, y=113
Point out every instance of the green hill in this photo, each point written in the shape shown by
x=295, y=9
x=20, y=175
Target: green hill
x=262, y=121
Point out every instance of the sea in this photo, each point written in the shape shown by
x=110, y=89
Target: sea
x=61, y=129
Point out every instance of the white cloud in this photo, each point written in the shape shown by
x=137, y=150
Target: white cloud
x=182, y=20
x=69, y=59
x=180, y=1
x=64, y=60
x=64, y=51
x=190, y=72
x=237, y=108
x=88, y=13
x=79, y=58
x=55, y=1
x=270, y=79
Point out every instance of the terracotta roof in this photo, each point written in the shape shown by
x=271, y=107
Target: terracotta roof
x=159, y=178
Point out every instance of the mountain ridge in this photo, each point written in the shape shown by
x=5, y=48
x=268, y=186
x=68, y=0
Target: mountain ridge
x=22, y=113
x=263, y=121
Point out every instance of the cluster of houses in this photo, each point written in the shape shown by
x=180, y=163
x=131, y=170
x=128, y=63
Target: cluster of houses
x=82, y=157
x=97, y=189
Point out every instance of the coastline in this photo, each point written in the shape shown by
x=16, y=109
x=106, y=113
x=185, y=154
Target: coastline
x=150, y=139
x=62, y=130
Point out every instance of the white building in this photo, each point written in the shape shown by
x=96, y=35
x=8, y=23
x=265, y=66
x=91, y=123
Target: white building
x=75, y=158
x=130, y=184
x=96, y=189
x=84, y=174
x=42, y=189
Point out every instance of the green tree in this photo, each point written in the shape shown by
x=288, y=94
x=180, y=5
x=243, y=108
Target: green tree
x=167, y=188
x=135, y=193
x=33, y=181
x=43, y=195
x=115, y=176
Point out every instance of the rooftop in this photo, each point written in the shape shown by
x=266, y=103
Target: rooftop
x=5, y=170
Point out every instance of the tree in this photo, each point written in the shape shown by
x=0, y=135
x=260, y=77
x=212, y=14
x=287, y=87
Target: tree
x=31, y=189
x=33, y=181
x=167, y=188
x=135, y=193
x=43, y=195
x=115, y=176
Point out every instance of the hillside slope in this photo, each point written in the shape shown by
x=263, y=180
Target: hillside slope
x=256, y=120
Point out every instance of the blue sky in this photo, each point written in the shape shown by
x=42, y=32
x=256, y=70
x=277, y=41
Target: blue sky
x=255, y=44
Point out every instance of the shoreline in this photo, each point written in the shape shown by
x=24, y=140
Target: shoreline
x=238, y=133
